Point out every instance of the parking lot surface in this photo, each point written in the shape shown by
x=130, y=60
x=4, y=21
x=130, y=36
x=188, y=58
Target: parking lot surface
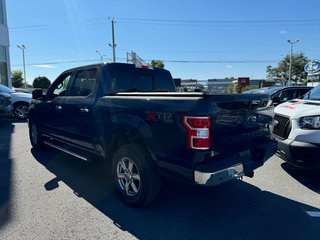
x=51, y=195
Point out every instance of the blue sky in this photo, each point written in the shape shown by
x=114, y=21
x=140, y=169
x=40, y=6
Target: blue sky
x=198, y=39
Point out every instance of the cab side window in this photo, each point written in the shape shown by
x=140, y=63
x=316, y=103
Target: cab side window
x=59, y=87
x=83, y=83
x=62, y=87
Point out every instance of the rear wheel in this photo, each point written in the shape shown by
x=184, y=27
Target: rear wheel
x=135, y=176
x=35, y=137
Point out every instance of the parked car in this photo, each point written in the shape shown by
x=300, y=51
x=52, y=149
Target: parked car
x=282, y=94
x=297, y=129
x=5, y=105
x=132, y=118
x=20, y=101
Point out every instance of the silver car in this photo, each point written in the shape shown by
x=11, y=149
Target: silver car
x=6, y=109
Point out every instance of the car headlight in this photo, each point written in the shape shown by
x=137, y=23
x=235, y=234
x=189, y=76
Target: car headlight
x=310, y=122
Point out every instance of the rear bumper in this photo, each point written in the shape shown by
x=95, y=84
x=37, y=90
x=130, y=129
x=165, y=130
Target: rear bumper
x=243, y=163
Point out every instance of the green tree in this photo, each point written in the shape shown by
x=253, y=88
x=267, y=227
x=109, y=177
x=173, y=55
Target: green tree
x=157, y=63
x=41, y=82
x=299, y=60
x=17, y=79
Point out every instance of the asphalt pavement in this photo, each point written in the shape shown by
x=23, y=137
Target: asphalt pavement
x=51, y=195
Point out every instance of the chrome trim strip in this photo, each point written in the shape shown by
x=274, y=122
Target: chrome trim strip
x=66, y=151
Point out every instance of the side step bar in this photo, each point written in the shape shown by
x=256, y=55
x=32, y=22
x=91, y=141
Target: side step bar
x=66, y=151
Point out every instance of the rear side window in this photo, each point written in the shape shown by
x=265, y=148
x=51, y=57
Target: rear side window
x=163, y=82
x=122, y=81
x=84, y=82
x=130, y=80
x=144, y=83
x=140, y=80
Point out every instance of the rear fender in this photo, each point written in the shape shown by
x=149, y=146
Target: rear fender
x=133, y=122
x=128, y=128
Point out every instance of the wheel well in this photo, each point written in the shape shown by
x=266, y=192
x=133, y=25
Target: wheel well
x=20, y=102
x=122, y=137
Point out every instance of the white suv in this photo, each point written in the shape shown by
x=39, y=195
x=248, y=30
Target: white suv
x=297, y=129
x=20, y=101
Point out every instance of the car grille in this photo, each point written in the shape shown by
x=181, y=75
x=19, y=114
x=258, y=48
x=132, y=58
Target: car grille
x=283, y=128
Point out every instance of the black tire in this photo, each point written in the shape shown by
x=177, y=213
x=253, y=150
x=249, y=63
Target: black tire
x=35, y=136
x=134, y=175
x=21, y=110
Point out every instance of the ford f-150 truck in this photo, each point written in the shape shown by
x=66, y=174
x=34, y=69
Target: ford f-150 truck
x=133, y=119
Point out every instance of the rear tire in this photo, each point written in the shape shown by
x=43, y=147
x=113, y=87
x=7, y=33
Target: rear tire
x=35, y=136
x=134, y=175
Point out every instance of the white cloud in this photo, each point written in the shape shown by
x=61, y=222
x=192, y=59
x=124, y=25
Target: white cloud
x=44, y=66
x=284, y=33
x=229, y=66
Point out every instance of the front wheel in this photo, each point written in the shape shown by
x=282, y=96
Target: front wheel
x=135, y=176
x=35, y=137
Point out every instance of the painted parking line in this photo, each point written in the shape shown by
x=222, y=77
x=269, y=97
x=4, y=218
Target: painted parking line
x=313, y=213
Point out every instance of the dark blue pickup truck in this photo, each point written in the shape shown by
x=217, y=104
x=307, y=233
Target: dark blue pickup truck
x=132, y=118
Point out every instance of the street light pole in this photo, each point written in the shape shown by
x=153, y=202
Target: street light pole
x=101, y=57
x=290, y=64
x=23, y=47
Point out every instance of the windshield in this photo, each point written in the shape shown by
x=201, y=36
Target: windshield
x=5, y=89
x=314, y=94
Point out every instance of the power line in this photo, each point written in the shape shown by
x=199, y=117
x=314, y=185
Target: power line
x=252, y=61
x=190, y=23
x=216, y=21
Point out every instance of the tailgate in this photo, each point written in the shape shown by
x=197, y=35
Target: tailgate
x=240, y=121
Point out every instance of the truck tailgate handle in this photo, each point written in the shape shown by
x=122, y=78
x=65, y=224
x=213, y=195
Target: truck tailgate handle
x=84, y=110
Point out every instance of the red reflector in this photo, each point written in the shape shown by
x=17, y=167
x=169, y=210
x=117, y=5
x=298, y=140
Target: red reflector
x=198, y=131
x=200, y=143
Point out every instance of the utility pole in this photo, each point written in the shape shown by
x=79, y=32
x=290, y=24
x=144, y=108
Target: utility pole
x=291, y=49
x=113, y=45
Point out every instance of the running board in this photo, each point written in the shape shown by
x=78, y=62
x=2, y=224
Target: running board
x=66, y=151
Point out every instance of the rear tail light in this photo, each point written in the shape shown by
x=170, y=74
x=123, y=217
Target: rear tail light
x=198, y=131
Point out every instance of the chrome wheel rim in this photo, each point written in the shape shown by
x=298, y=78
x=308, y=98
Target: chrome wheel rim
x=21, y=111
x=128, y=177
x=34, y=133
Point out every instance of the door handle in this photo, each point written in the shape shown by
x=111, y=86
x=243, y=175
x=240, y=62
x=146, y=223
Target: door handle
x=58, y=107
x=84, y=110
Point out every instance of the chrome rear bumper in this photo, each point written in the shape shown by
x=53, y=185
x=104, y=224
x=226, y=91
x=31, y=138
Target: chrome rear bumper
x=215, y=178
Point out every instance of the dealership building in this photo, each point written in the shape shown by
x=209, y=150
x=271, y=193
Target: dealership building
x=5, y=77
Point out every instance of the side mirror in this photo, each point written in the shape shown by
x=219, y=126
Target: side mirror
x=37, y=94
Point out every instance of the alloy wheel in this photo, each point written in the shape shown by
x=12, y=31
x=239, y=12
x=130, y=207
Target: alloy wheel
x=128, y=176
x=21, y=111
